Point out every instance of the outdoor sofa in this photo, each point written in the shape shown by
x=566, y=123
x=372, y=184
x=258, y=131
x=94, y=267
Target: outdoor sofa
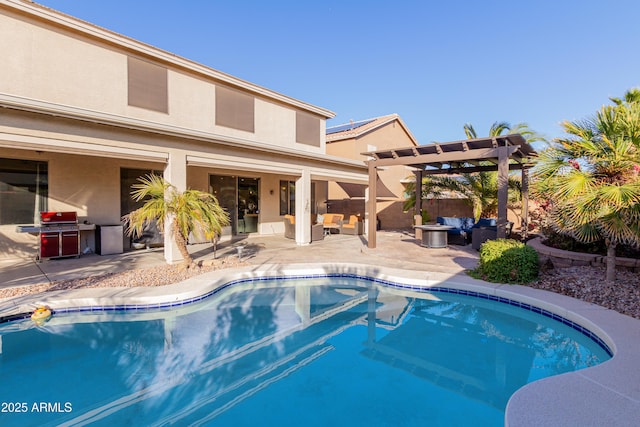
x=461, y=233
x=331, y=221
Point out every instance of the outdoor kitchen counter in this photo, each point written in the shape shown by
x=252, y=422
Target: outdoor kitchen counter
x=36, y=228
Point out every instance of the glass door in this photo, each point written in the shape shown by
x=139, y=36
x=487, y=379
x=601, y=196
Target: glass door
x=239, y=197
x=248, y=205
x=224, y=189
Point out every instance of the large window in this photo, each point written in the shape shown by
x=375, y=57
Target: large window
x=288, y=197
x=234, y=109
x=23, y=191
x=147, y=85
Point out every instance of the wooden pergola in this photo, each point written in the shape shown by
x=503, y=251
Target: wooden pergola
x=500, y=153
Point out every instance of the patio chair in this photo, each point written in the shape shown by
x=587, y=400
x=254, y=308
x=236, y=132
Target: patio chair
x=354, y=226
x=317, y=230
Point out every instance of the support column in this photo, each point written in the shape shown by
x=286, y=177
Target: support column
x=418, y=175
x=417, y=218
x=503, y=190
x=176, y=174
x=371, y=205
x=524, y=225
x=303, y=208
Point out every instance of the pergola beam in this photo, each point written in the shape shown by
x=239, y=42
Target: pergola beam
x=470, y=169
x=445, y=157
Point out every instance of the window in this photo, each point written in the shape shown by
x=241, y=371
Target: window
x=307, y=129
x=234, y=109
x=147, y=85
x=23, y=191
x=288, y=197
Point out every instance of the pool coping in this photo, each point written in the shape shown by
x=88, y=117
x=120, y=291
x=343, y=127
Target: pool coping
x=607, y=394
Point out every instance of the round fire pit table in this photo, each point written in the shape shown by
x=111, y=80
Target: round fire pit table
x=434, y=236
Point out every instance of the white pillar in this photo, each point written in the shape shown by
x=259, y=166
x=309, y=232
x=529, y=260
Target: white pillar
x=371, y=197
x=176, y=174
x=303, y=208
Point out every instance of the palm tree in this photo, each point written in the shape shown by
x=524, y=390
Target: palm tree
x=591, y=177
x=496, y=129
x=187, y=211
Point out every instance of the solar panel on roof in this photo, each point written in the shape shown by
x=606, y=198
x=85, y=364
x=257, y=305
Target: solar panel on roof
x=347, y=126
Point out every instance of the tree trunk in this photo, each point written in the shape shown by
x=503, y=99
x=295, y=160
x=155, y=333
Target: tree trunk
x=611, y=261
x=181, y=243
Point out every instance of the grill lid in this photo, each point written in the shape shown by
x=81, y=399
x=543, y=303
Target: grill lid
x=51, y=218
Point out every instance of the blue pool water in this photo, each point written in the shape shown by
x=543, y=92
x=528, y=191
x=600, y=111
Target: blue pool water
x=312, y=352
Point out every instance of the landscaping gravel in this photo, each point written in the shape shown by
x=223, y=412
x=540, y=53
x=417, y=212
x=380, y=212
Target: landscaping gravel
x=585, y=283
x=588, y=284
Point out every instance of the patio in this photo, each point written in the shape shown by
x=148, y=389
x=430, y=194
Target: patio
x=398, y=249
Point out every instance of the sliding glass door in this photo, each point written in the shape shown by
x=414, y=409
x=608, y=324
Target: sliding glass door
x=239, y=197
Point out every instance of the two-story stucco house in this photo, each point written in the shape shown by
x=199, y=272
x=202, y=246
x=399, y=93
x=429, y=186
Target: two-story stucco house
x=84, y=112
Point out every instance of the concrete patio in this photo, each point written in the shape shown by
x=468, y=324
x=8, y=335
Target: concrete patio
x=397, y=249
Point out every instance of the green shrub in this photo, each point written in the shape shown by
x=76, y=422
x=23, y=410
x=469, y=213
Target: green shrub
x=507, y=261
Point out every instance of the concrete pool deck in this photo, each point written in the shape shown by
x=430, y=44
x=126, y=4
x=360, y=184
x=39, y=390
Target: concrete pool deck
x=608, y=394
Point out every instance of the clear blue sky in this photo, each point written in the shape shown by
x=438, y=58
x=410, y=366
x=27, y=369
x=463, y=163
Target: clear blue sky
x=438, y=64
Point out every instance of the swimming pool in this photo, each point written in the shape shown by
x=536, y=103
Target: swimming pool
x=328, y=350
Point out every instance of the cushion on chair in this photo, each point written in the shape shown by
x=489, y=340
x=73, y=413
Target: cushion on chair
x=353, y=221
x=332, y=218
x=485, y=222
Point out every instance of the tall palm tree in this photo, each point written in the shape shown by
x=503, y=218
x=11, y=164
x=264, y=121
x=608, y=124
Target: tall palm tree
x=591, y=177
x=496, y=129
x=188, y=211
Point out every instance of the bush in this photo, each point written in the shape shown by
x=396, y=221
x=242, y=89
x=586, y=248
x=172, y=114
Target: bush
x=507, y=261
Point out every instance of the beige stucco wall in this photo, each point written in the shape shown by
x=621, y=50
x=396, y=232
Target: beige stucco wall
x=391, y=135
x=59, y=67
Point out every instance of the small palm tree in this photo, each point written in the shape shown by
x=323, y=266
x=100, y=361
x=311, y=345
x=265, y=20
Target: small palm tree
x=188, y=211
x=591, y=178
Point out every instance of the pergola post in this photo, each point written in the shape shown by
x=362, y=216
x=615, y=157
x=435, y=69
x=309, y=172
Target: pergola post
x=417, y=217
x=371, y=205
x=524, y=224
x=503, y=190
